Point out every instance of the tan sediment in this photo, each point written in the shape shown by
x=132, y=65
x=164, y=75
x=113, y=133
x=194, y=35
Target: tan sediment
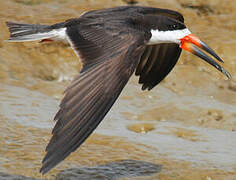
x=49, y=68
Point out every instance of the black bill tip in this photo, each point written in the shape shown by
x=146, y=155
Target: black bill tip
x=209, y=60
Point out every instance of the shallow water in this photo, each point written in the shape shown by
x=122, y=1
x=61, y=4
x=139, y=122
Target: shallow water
x=26, y=117
x=183, y=129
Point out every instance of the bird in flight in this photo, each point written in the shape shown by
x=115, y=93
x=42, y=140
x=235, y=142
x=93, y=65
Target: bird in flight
x=111, y=44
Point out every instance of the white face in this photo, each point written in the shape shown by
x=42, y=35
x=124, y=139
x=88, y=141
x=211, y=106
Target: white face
x=173, y=36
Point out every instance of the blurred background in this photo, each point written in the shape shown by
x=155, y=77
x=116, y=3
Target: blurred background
x=185, y=128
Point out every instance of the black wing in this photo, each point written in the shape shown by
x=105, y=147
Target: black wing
x=156, y=62
x=108, y=63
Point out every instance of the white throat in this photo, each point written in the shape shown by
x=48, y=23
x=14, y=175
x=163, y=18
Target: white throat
x=174, y=36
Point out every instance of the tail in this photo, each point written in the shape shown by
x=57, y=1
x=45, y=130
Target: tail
x=31, y=32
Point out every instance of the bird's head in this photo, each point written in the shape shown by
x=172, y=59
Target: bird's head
x=172, y=31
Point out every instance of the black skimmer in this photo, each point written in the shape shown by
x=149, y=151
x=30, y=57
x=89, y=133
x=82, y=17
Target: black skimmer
x=111, y=44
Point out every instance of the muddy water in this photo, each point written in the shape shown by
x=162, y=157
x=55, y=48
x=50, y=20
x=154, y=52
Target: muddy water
x=183, y=129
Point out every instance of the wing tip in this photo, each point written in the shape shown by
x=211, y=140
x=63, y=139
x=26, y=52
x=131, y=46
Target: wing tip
x=48, y=163
x=45, y=169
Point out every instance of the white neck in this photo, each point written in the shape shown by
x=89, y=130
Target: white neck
x=173, y=36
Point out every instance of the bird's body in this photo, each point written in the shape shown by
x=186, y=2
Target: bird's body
x=111, y=44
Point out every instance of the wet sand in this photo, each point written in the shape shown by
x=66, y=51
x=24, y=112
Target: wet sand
x=185, y=128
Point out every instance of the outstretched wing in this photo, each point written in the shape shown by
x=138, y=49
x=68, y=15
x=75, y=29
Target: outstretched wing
x=108, y=62
x=156, y=62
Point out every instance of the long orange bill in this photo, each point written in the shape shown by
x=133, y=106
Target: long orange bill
x=188, y=42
